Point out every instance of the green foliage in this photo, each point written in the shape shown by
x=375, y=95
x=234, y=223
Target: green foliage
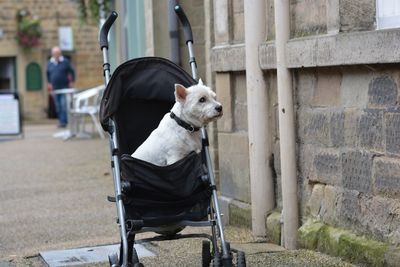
x=362, y=250
x=89, y=10
x=28, y=30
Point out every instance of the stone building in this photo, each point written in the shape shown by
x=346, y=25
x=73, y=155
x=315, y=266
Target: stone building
x=15, y=75
x=343, y=61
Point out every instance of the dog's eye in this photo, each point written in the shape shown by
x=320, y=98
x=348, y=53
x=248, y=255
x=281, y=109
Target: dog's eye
x=202, y=100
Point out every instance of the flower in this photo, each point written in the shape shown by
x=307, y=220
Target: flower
x=28, y=30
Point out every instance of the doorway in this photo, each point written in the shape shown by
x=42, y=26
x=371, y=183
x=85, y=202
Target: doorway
x=8, y=74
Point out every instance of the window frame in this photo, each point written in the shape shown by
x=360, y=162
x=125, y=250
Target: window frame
x=386, y=21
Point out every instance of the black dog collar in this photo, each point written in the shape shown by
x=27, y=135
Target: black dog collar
x=183, y=124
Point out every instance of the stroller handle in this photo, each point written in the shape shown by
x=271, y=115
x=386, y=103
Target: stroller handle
x=187, y=29
x=105, y=29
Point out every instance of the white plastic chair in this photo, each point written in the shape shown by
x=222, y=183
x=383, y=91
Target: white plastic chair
x=86, y=103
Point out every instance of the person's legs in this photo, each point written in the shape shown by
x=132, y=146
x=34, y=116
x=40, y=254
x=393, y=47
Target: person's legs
x=61, y=107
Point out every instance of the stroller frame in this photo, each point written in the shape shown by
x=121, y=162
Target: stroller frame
x=128, y=229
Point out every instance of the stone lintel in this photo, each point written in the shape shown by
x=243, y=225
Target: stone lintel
x=228, y=58
x=372, y=47
x=356, y=48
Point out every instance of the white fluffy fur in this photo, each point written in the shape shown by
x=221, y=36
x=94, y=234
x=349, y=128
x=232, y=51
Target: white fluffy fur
x=170, y=142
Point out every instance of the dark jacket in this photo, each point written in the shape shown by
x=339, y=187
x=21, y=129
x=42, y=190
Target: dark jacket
x=58, y=74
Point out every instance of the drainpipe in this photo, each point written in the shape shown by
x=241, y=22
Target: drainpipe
x=286, y=125
x=259, y=128
x=173, y=32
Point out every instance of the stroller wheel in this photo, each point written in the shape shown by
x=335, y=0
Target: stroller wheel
x=216, y=262
x=240, y=259
x=205, y=254
x=113, y=260
x=135, y=257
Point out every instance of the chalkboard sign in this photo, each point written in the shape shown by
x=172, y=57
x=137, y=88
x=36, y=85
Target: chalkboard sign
x=10, y=117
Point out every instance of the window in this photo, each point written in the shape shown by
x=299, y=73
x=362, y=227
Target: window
x=387, y=14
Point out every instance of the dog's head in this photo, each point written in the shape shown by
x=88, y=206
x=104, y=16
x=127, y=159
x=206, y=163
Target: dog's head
x=198, y=104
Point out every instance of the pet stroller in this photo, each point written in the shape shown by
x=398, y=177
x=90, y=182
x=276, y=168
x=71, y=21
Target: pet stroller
x=148, y=197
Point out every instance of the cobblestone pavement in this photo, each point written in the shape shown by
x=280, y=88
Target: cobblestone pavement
x=53, y=196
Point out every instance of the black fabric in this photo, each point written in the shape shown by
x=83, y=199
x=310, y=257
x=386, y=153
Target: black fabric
x=138, y=95
x=161, y=195
x=135, y=120
x=148, y=78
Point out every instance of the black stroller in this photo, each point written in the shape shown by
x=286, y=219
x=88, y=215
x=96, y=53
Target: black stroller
x=148, y=197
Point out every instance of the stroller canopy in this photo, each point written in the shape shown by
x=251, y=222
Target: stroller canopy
x=138, y=95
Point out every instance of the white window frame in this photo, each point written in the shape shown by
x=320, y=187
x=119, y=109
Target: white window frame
x=387, y=14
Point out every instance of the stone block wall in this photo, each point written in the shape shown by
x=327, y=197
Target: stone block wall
x=348, y=147
x=232, y=137
x=315, y=17
x=346, y=85
x=234, y=176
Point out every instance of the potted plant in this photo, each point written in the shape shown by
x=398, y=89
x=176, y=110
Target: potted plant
x=28, y=30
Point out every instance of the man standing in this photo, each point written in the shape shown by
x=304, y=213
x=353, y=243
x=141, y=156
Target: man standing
x=60, y=75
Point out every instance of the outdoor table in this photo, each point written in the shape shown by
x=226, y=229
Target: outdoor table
x=68, y=133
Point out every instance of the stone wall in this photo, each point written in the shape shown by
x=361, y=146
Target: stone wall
x=345, y=81
x=348, y=145
x=86, y=57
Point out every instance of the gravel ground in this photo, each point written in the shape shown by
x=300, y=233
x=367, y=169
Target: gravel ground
x=187, y=252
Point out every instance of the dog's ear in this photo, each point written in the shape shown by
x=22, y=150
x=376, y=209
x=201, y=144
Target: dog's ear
x=180, y=92
x=200, y=82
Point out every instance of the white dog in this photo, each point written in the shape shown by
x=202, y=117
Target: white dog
x=178, y=132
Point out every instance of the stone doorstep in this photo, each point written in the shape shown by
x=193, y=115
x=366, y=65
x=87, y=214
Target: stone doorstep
x=256, y=248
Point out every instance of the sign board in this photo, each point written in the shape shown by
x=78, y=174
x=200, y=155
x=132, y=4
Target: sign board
x=10, y=118
x=65, y=38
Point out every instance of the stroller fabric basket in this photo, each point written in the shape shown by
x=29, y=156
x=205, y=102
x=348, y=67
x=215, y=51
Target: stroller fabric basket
x=163, y=195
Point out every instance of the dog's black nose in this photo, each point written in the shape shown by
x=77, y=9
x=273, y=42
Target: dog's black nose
x=218, y=108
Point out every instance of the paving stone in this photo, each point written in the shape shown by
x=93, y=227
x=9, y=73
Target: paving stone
x=392, y=132
x=357, y=15
x=387, y=176
x=382, y=92
x=327, y=167
x=315, y=201
x=224, y=95
x=316, y=128
x=351, y=124
x=337, y=129
x=327, y=92
x=348, y=208
x=370, y=130
x=354, y=89
x=356, y=171
x=329, y=204
x=308, y=17
x=234, y=166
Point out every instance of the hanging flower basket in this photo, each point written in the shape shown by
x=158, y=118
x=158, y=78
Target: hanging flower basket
x=90, y=10
x=28, y=30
